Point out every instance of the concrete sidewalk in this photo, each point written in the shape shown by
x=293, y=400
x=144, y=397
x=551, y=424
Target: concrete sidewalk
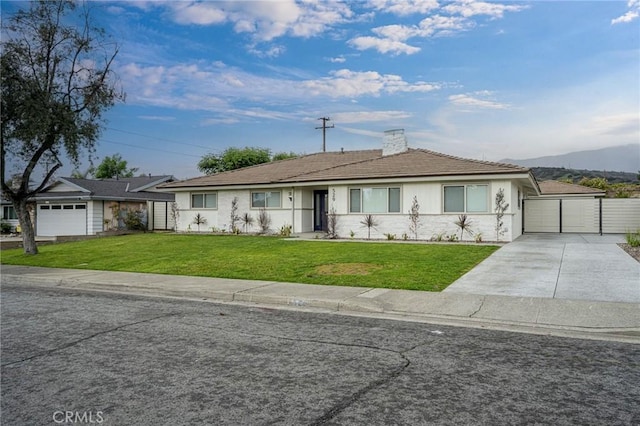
x=492, y=311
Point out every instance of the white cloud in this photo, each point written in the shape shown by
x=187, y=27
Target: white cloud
x=404, y=7
x=623, y=124
x=198, y=13
x=156, y=117
x=631, y=15
x=272, y=52
x=216, y=121
x=347, y=83
x=468, y=8
x=207, y=87
x=369, y=116
x=339, y=59
x=474, y=101
x=444, y=21
x=383, y=45
x=265, y=20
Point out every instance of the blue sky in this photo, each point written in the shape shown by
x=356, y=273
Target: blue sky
x=484, y=80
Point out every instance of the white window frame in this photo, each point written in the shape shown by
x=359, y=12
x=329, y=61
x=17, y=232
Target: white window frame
x=6, y=213
x=465, y=198
x=387, y=192
x=204, y=200
x=266, y=195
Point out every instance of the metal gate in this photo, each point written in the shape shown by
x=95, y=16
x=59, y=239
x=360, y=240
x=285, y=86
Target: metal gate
x=582, y=215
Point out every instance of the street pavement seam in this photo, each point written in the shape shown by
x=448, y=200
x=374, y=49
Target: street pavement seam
x=555, y=289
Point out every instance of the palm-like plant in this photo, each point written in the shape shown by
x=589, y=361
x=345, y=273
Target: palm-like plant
x=247, y=221
x=464, y=223
x=369, y=222
x=199, y=220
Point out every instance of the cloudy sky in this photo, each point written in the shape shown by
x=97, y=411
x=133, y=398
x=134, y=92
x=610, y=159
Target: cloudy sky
x=484, y=80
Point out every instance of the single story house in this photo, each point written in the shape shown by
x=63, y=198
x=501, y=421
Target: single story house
x=8, y=214
x=73, y=206
x=302, y=192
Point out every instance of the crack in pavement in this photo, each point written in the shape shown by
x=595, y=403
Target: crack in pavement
x=479, y=307
x=341, y=406
x=75, y=342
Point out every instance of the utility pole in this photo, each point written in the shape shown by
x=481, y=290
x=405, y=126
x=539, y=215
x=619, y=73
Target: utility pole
x=324, y=128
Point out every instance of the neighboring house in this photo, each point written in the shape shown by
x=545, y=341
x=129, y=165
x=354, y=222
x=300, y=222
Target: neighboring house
x=73, y=206
x=569, y=208
x=300, y=192
x=556, y=189
x=9, y=214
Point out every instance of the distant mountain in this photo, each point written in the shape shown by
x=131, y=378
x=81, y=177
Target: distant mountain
x=562, y=173
x=623, y=158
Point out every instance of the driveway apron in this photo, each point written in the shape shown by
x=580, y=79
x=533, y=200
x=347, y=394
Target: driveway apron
x=561, y=266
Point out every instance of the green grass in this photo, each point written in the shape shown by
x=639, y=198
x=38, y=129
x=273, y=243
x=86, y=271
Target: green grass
x=430, y=267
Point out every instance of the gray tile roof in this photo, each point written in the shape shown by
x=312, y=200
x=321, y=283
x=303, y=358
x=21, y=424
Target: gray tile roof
x=348, y=165
x=111, y=189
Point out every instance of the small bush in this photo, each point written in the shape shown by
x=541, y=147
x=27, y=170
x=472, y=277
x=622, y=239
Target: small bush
x=390, y=236
x=133, y=221
x=5, y=227
x=264, y=221
x=633, y=238
x=285, y=231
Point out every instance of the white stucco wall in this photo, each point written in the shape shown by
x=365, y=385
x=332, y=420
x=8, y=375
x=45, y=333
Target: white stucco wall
x=433, y=221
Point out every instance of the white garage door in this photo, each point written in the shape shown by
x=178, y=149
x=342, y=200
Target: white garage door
x=62, y=219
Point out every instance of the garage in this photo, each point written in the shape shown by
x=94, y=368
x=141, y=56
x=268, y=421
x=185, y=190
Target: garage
x=62, y=219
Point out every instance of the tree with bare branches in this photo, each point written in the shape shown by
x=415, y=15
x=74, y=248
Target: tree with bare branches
x=57, y=80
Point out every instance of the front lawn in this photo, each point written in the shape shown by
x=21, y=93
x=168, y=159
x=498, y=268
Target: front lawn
x=430, y=267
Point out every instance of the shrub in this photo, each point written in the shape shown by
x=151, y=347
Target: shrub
x=390, y=236
x=332, y=224
x=285, y=231
x=134, y=220
x=264, y=221
x=5, y=227
x=633, y=238
x=414, y=217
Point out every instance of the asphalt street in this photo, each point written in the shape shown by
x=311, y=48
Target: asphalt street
x=123, y=359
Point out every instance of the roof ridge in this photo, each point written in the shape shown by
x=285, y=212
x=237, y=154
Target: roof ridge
x=335, y=166
x=440, y=154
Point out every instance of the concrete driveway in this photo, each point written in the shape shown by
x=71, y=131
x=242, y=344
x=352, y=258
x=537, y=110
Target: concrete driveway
x=560, y=266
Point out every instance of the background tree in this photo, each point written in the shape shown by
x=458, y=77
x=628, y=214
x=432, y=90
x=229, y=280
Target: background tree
x=284, y=156
x=233, y=158
x=113, y=167
x=56, y=80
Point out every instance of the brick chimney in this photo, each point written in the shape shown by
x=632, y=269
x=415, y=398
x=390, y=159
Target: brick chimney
x=394, y=142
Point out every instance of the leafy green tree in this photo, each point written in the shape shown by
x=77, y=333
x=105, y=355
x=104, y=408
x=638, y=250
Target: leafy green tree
x=232, y=159
x=113, y=167
x=284, y=156
x=57, y=81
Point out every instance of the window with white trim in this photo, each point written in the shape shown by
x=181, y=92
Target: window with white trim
x=204, y=201
x=466, y=198
x=374, y=200
x=8, y=212
x=266, y=200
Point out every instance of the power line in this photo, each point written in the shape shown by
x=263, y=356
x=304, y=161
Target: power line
x=324, y=128
x=158, y=138
x=149, y=149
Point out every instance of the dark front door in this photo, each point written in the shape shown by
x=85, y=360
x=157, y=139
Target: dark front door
x=320, y=206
